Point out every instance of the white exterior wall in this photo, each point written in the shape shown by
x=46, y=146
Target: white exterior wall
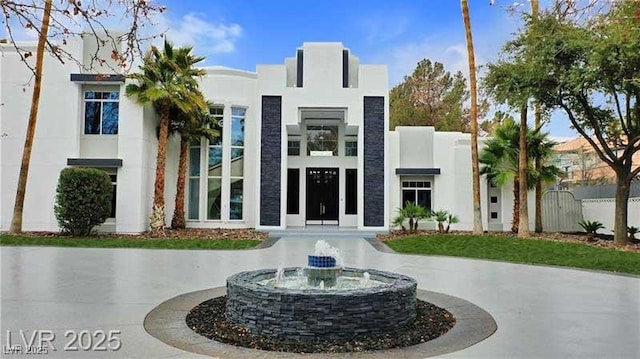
x=59, y=136
x=322, y=88
x=603, y=210
x=452, y=189
x=56, y=135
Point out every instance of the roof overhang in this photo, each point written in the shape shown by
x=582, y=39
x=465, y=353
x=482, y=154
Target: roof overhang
x=98, y=78
x=95, y=162
x=417, y=171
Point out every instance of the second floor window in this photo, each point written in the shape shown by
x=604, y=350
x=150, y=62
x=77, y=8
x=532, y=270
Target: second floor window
x=101, y=112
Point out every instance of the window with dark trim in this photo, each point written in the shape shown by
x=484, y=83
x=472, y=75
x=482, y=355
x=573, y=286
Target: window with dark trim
x=293, y=148
x=351, y=148
x=101, y=110
x=351, y=188
x=494, y=199
x=418, y=192
x=114, y=190
x=293, y=191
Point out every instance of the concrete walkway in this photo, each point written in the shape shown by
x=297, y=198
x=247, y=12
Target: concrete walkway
x=541, y=312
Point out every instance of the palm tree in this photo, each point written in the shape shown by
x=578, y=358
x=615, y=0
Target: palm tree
x=535, y=9
x=16, y=221
x=500, y=158
x=191, y=127
x=166, y=79
x=477, y=213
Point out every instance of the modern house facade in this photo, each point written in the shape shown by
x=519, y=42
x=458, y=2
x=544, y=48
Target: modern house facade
x=302, y=143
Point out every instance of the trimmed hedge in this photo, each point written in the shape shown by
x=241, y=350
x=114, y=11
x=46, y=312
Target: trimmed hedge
x=83, y=199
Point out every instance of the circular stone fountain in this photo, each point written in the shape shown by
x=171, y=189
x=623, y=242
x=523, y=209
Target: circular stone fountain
x=322, y=301
x=330, y=313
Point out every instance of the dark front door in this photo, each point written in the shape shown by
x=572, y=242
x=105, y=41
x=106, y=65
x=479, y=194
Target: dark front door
x=322, y=194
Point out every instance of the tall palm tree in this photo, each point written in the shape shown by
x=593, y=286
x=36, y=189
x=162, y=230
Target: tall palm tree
x=16, y=221
x=523, y=176
x=501, y=155
x=535, y=9
x=166, y=78
x=191, y=127
x=477, y=212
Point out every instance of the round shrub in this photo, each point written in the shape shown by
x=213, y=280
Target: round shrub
x=83, y=199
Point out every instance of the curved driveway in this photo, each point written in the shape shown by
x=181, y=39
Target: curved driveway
x=541, y=312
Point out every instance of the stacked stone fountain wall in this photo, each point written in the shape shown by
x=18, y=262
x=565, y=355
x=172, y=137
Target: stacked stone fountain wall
x=307, y=314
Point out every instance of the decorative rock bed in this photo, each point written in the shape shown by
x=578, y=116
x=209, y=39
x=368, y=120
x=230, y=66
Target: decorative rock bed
x=272, y=312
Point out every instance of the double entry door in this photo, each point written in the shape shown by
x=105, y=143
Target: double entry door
x=322, y=195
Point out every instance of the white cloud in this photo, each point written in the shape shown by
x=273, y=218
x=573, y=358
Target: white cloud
x=380, y=29
x=402, y=59
x=207, y=37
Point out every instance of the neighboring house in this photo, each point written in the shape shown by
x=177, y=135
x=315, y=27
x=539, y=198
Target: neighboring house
x=582, y=166
x=305, y=142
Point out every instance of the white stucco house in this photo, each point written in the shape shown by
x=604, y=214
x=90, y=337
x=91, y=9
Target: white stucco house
x=305, y=142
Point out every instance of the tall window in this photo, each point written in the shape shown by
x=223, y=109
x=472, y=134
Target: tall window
x=351, y=188
x=237, y=162
x=101, y=112
x=214, y=165
x=113, y=175
x=418, y=192
x=293, y=191
x=193, y=212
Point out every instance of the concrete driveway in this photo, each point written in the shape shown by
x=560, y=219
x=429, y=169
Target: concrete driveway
x=541, y=312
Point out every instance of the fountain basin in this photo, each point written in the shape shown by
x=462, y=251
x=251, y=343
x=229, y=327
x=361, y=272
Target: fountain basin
x=313, y=313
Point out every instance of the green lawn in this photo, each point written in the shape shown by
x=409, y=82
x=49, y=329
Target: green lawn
x=512, y=249
x=127, y=242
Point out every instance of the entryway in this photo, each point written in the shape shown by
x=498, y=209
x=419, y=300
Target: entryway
x=322, y=196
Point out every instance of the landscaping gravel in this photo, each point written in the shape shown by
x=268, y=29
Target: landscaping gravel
x=208, y=319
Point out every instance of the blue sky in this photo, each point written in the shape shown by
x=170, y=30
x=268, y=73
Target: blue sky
x=398, y=33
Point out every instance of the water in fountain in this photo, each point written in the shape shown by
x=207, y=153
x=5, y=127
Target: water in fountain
x=279, y=277
x=324, y=272
x=366, y=280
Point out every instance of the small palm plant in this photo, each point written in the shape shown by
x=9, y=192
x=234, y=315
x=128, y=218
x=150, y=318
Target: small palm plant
x=443, y=217
x=591, y=227
x=451, y=218
x=399, y=222
x=412, y=212
x=632, y=232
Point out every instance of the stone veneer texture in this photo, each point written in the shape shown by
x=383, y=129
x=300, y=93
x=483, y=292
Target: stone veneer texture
x=374, y=163
x=308, y=314
x=270, y=161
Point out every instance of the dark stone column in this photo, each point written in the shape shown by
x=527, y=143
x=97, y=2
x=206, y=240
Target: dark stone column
x=374, y=137
x=299, y=68
x=270, y=160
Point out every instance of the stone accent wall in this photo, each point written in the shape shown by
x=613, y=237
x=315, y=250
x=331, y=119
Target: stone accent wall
x=374, y=138
x=309, y=314
x=270, y=160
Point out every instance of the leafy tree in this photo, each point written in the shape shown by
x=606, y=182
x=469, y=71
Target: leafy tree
x=501, y=155
x=54, y=25
x=590, y=69
x=430, y=96
x=475, y=166
x=166, y=79
x=191, y=127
